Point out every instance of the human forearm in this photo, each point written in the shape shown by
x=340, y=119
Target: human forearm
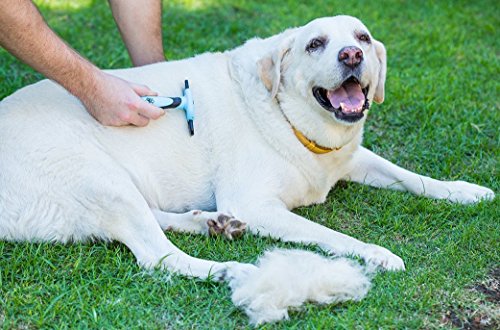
x=25, y=34
x=110, y=100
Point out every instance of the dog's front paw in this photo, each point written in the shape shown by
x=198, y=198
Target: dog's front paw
x=227, y=226
x=468, y=193
x=382, y=257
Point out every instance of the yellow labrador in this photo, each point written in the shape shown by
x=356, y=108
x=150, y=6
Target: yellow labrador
x=278, y=122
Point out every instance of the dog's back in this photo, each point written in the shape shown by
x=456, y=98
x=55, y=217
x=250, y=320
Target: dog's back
x=61, y=173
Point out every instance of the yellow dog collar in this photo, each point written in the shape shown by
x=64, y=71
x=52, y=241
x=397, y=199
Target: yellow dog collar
x=311, y=145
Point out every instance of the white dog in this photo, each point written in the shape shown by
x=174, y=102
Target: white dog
x=278, y=122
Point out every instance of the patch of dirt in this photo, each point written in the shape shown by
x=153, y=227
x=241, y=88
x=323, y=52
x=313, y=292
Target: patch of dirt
x=487, y=316
x=469, y=320
x=491, y=287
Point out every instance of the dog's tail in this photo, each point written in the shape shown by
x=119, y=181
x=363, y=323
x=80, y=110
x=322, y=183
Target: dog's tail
x=288, y=278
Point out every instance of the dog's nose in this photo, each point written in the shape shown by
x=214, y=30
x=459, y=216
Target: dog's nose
x=351, y=56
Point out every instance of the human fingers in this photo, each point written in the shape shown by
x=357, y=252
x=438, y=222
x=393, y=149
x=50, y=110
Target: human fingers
x=150, y=111
x=143, y=90
x=135, y=118
x=144, y=108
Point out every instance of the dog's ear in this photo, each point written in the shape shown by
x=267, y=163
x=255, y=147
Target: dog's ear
x=382, y=57
x=270, y=67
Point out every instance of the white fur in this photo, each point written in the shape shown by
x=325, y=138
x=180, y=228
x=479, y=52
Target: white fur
x=64, y=177
x=287, y=278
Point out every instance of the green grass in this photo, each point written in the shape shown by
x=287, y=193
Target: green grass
x=441, y=118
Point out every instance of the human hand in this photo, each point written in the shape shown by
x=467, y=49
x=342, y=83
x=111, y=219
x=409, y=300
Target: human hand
x=117, y=102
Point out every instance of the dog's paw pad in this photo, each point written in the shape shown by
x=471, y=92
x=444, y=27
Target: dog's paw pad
x=227, y=226
x=381, y=257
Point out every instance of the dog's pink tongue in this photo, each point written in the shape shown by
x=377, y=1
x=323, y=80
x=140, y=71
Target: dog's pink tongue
x=349, y=94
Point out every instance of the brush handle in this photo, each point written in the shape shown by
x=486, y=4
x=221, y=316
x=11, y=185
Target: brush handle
x=163, y=102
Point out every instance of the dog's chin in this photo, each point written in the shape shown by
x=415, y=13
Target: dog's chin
x=350, y=111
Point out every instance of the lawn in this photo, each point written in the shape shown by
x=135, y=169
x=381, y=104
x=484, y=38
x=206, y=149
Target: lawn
x=441, y=118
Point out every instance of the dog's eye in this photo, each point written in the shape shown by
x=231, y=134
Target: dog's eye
x=315, y=44
x=364, y=37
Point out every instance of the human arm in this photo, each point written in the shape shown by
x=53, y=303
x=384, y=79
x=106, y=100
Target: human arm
x=139, y=23
x=111, y=100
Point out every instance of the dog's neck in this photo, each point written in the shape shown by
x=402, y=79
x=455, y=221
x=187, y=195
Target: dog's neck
x=311, y=145
x=276, y=130
x=317, y=126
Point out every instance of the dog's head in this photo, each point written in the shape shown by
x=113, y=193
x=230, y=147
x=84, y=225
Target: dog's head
x=332, y=64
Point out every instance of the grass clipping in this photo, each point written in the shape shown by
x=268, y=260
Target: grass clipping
x=286, y=279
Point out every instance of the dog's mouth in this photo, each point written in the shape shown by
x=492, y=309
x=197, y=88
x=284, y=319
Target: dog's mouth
x=348, y=102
